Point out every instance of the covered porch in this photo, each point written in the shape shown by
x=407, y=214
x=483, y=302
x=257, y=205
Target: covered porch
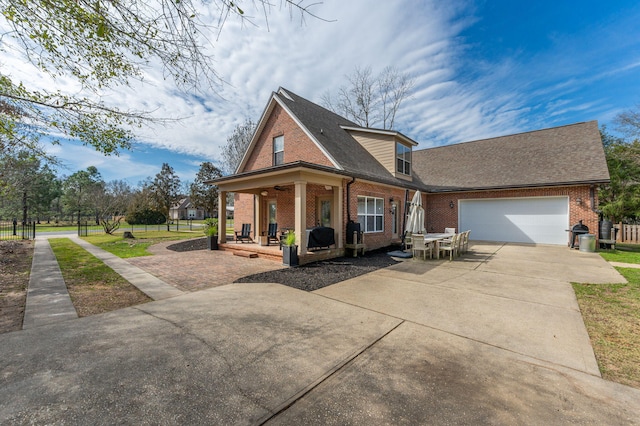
x=296, y=198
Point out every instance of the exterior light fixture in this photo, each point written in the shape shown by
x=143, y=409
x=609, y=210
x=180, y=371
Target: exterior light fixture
x=451, y=205
x=579, y=201
x=264, y=193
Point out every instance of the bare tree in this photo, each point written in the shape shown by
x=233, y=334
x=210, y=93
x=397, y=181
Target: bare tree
x=628, y=122
x=237, y=144
x=112, y=204
x=371, y=101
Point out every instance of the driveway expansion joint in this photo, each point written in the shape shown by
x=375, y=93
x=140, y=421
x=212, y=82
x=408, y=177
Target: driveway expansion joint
x=350, y=359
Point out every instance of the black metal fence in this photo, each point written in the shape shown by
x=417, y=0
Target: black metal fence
x=17, y=230
x=84, y=229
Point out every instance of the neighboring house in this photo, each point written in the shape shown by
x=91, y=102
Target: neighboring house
x=307, y=166
x=184, y=210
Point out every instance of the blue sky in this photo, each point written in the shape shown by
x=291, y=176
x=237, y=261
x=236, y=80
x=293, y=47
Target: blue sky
x=482, y=69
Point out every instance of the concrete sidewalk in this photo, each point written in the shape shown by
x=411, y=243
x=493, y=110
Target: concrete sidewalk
x=48, y=300
x=153, y=287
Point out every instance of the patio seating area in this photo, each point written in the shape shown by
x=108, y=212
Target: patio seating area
x=434, y=244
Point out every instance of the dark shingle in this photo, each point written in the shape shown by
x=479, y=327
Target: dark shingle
x=324, y=125
x=569, y=154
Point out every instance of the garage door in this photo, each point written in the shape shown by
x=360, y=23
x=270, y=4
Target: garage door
x=539, y=220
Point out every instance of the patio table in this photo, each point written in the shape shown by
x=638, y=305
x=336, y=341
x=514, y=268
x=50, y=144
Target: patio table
x=435, y=239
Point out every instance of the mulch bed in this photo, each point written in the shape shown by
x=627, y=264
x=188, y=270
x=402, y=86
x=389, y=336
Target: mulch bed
x=15, y=266
x=312, y=276
x=189, y=245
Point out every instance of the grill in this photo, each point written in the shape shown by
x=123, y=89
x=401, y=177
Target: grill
x=576, y=230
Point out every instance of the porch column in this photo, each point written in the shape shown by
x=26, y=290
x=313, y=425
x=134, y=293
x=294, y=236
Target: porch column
x=301, y=216
x=257, y=220
x=222, y=216
x=337, y=214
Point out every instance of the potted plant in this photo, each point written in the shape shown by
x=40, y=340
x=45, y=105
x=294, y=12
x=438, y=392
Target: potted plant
x=290, y=249
x=211, y=231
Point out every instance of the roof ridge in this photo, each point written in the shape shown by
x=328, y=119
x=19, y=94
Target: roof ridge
x=509, y=135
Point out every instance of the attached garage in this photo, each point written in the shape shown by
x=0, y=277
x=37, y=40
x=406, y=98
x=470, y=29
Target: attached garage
x=537, y=220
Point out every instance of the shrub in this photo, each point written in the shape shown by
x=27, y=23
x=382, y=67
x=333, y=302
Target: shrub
x=145, y=217
x=210, y=227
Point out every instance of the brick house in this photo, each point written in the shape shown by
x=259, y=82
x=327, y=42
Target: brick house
x=307, y=166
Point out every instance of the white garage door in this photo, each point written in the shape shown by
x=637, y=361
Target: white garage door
x=540, y=220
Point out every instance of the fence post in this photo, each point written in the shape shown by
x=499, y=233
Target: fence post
x=34, y=229
x=619, y=234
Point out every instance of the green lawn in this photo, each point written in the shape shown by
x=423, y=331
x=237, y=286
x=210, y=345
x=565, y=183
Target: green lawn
x=93, y=286
x=126, y=247
x=626, y=253
x=611, y=313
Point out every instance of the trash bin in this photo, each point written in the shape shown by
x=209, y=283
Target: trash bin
x=588, y=243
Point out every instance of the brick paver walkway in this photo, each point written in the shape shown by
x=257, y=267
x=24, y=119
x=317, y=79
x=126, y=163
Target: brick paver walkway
x=199, y=269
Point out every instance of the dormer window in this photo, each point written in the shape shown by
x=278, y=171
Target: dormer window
x=403, y=159
x=278, y=150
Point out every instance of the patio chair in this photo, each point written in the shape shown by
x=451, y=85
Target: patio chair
x=408, y=242
x=450, y=246
x=449, y=230
x=419, y=245
x=272, y=233
x=464, y=242
x=244, y=234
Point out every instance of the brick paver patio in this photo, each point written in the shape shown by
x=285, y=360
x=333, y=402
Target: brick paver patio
x=199, y=269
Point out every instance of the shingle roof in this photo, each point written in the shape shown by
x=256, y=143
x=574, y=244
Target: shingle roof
x=569, y=154
x=325, y=126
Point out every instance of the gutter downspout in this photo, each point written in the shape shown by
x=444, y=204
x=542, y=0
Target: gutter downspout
x=353, y=179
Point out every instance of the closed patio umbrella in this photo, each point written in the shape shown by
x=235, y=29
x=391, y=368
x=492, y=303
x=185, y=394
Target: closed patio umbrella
x=415, y=221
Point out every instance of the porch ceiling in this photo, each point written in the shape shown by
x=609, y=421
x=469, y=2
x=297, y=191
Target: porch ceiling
x=255, y=183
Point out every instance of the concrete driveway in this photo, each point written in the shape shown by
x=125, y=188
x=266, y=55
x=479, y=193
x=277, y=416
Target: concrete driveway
x=493, y=338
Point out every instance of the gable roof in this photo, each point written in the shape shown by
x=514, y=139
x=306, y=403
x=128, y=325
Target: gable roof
x=565, y=155
x=330, y=132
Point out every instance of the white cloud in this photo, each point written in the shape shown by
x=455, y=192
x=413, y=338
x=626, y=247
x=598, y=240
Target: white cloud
x=457, y=97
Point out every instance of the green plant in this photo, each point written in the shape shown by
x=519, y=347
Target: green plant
x=210, y=227
x=290, y=238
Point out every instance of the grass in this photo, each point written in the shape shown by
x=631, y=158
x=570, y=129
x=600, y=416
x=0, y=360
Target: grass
x=93, y=286
x=611, y=313
x=126, y=247
x=626, y=253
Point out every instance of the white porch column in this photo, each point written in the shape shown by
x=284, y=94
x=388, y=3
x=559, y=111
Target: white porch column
x=301, y=216
x=222, y=216
x=338, y=215
x=257, y=220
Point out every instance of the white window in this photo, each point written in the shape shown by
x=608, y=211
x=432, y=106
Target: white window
x=403, y=159
x=371, y=214
x=278, y=150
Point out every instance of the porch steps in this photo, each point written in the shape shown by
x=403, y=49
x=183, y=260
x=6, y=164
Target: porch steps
x=251, y=251
x=245, y=254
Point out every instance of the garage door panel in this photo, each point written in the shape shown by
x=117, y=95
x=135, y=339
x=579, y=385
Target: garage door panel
x=539, y=220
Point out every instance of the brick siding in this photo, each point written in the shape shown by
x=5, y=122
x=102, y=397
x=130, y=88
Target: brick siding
x=440, y=215
x=297, y=145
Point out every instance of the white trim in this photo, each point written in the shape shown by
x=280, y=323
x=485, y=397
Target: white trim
x=308, y=133
x=381, y=132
